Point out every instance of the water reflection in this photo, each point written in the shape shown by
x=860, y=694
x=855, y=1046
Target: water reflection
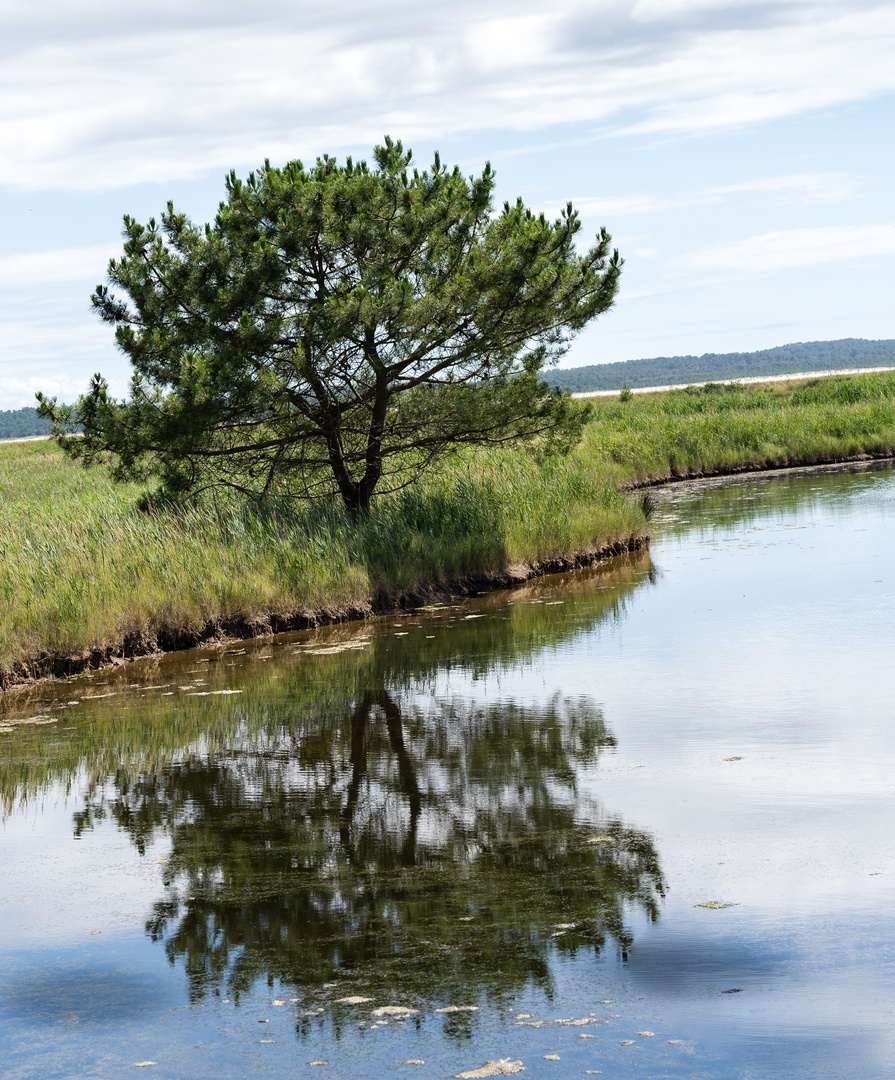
x=436, y=848
x=349, y=812
x=727, y=502
x=139, y=718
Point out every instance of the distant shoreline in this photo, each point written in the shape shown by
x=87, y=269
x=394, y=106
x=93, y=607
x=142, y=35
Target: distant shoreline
x=796, y=358
x=746, y=380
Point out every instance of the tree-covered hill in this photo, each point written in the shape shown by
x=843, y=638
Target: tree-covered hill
x=784, y=360
x=21, y=423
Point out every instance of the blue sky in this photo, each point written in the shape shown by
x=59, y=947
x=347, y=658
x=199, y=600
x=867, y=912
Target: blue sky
x=739, y=151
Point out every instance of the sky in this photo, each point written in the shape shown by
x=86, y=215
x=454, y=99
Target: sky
x=740, y=152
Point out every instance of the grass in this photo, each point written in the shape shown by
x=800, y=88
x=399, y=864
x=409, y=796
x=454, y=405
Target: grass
x=718, y=428
x=84, y=569
x=81, y=568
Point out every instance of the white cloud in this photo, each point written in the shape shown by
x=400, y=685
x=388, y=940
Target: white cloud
x=100, y=95
x=743, y=75
x=86, y=263
x=797, y=247
x=802, y=188
x=48, y=331
x=811, y=188
x=53, y=343
x=18, y=393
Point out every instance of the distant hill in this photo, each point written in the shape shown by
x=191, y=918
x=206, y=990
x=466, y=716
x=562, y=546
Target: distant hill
x=21, y=423
x=784, y=360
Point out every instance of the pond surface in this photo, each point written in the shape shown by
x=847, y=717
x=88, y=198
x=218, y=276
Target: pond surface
x=635, y=821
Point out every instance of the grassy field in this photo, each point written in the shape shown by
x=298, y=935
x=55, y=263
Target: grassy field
x=82, y=569
x=714, y=429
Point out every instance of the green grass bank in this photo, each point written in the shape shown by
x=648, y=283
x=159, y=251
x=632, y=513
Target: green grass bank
x=716, y=429
x=85, y=576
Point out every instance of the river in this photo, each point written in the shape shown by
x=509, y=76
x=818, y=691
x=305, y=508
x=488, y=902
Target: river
x=635, y=821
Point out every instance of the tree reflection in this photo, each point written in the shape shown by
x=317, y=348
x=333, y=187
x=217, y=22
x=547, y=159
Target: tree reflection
x=435, y=847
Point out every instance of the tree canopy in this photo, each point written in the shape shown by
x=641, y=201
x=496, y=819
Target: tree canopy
x=338, y=329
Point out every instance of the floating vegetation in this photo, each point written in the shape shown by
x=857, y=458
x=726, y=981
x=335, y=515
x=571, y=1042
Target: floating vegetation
x=500, y=1067
x=212, y=693
x=36, y=721
x=332, y=650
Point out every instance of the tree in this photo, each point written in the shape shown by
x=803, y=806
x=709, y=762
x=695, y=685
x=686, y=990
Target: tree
x=337, y=327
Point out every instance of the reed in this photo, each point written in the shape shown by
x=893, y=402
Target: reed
x=83, y=568
x=716, y=428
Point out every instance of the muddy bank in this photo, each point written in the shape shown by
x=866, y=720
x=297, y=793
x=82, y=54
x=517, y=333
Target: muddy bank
x=241, y=626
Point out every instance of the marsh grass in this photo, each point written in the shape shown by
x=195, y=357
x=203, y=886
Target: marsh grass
x=715, y=428
x=81, y=567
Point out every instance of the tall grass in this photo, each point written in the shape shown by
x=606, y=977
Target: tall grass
x=83, y=568
x=714, y=428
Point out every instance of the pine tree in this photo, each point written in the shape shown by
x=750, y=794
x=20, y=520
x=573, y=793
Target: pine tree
x=338, y=329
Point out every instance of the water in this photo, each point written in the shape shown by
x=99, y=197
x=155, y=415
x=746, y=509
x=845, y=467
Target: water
x=515, y=808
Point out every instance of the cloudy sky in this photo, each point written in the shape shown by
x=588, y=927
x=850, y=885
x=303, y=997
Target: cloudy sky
x=739, y=151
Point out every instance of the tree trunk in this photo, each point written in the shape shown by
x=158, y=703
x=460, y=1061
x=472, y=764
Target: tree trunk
x=355, y=498
x=356, y=494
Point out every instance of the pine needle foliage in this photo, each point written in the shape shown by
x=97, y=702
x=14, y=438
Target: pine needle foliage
x=338, y=330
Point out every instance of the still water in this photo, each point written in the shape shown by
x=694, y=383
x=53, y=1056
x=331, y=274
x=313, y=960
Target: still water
x=635, y=821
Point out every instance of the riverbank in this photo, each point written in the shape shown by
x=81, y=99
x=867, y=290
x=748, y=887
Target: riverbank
x=242, y=625
x=89, y=580
x=718, y=429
